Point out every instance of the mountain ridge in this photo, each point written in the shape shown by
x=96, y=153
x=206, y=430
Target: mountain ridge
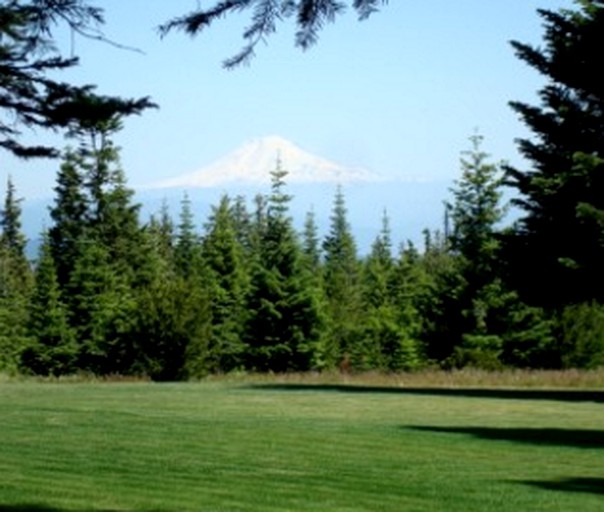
x=253, y=161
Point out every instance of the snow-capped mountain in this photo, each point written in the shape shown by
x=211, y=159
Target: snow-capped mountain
x=253, y=162
x=312, y=182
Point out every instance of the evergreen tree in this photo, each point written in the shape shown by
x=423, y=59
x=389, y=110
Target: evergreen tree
x=12, y=239
x=112, y=217
x=557, y=247
x=223, y=256
x=441, y=282
x=342, y=287
x=389, y=321
x=53, y=350
x=15, y=282
x=173, y=327
x=284, y=323
x=102, y=307
x=98, y=245
x=310, y=242
x=187, y=252
x=68, y=215
x=15, y=289
x=378, y=267
x=258, y=226
x=475, y=213
x=174, y=315
x=162, y=233
x=495, y=326
x=93, y=201
x=531, y=337
x=313, y=270
x=251, y=229
x=378, y=340
x=413, y=290
x=241, y=221
x=581, y=335
x=172, y=318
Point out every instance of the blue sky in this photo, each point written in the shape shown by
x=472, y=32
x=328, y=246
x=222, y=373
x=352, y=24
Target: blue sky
x=399, y=94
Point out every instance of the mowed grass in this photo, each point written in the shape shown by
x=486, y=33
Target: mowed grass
x=278, y=446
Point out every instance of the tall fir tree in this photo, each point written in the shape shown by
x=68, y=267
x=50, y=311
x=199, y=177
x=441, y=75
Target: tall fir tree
x=438, y=303
x=112, y=216
x=53, y=349
x=475, y=213
x=15, y=282
x=412, y=294
x=557, y=247
x=378, y=267
x=172, y=317
x=388, y=339
x=258, y=226
x=187, y=251
x=12, y=237
x=68, y=214
x=496, y=327
x=96, y=242
x=189, y=352
x=283, y=326
x=93, y=201
x=228, y=279
x=242, y=222
x=101, y=307
x=311, y=244
x=162, y=233
x=342, y=286
x=312, y=263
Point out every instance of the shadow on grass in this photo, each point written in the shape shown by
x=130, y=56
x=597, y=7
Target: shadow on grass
x=537, y=436
x=586, y=485
x=561, y=395
x=37, y=507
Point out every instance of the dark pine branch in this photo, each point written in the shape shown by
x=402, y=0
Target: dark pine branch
x=310, y=17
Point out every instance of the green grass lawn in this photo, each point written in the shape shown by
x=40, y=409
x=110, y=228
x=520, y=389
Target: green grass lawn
x=262, y=447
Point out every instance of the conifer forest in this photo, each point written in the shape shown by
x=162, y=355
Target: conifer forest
x=111, y=293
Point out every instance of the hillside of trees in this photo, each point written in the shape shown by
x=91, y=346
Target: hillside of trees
x=166, y=299
x=170, y=300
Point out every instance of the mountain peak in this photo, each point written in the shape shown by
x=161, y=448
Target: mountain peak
x=253, y=161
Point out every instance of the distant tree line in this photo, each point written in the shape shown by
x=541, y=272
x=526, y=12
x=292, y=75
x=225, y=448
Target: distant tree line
x=247, y=292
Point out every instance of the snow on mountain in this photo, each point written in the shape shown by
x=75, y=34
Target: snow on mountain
x=253, y=162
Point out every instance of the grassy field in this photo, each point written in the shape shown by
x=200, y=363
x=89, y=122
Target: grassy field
x=298, y=444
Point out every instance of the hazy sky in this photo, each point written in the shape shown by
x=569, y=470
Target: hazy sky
x=399, y=94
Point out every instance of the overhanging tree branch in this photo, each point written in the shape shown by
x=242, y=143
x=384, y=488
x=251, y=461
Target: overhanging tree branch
x=29, y=98
x=310, y=17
